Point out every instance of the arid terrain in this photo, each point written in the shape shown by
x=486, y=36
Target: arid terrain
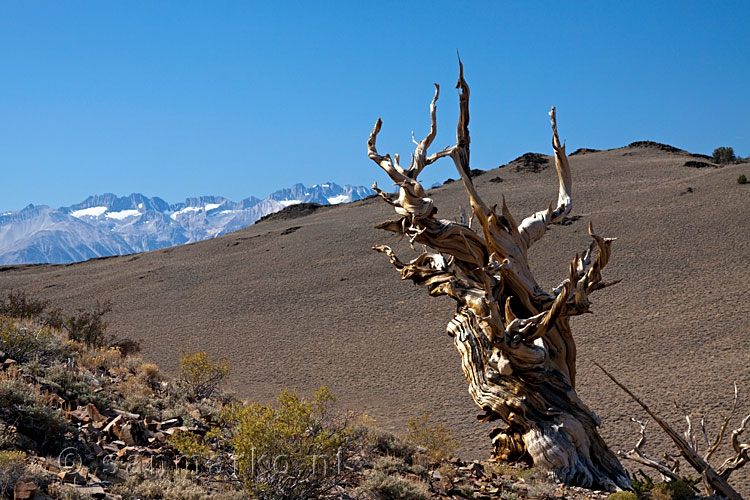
x=304, y=302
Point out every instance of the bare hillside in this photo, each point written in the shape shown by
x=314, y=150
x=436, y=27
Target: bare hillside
x=302, y=302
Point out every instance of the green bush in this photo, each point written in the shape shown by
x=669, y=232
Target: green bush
x=12, y=467
x=681, y=489
x=387, y=443
x=394, y=487
x=623, y=495
x=18, y=305
x=189, y=444
x=177, y=485
x=24, y=406
x=70, y=384
x=724, y=155
x=24, y=344
x=395, y=465
x=742, y=179
x=291, y=450
x=673, y=490
x=200, y=375
x=89, y=327
x=390, y=465
x=437, y=440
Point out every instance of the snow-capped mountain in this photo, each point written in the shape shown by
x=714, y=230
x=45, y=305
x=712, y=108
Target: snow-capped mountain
x=106, y=224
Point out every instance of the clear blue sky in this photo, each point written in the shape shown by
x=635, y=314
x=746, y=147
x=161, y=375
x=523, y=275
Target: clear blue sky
x=176, y=99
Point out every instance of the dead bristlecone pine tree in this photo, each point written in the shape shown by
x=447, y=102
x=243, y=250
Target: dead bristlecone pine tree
x=514, y=338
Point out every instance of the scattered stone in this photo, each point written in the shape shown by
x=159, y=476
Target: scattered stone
x=172, y=422
x=699, y=164
x=655, y=145
x=530, y=162
x=290, y=230
x=583, y=151
x=132, y=433
x=496, y=179
x=71, y=477
x=25, y=489
x=126, y=414
x=293, y=212
x=92, y=491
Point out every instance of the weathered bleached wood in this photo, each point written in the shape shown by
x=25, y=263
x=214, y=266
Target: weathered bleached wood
x=514, y=339
x=715, y=481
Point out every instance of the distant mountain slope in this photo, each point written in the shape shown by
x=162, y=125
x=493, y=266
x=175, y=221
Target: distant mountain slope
x=105, y=225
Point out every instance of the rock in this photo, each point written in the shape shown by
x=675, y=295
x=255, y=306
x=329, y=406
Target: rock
x=126, y=414
x=132, y=433
x=92, y=491
x=151, y=423
x=8, y=363
x=25, y=489
x=530, y=162
x=698, y=164
x=71, y=477
x=172, y=422
x=112, y=424
x=477, y=469
x=94, y=414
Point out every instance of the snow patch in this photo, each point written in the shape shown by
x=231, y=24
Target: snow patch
x=184, y=211
x=287, y=203
x=123, y=214
x=211, y=206
x=342, y=198
x=89, y=212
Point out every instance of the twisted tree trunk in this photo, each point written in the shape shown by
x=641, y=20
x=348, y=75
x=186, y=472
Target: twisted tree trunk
x=514, y=338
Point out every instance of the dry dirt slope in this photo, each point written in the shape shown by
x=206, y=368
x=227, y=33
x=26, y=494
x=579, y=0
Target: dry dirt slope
x=314, y=305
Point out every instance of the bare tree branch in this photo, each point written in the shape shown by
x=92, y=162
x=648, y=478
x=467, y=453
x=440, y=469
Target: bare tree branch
x=717, y=482
x=637, y=455
x=532, y=228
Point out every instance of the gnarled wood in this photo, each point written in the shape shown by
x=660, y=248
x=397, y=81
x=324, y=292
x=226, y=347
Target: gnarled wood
x=514, y=338
x=715, y=481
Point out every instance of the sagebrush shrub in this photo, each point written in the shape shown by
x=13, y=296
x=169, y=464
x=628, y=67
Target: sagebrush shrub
x=19, y=305
x=12, y=467
x=395, y=487
x=673, y=490
x=437, y=439
x=73, y=385
x=742, y=179
x=291, y=450
x=623, y=495
x=387, y=443
x=89, y=327
x=25, y=406
x=200, y=375
x=26, y=343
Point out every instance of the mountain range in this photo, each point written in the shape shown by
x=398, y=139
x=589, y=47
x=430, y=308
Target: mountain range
x=105, y=225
